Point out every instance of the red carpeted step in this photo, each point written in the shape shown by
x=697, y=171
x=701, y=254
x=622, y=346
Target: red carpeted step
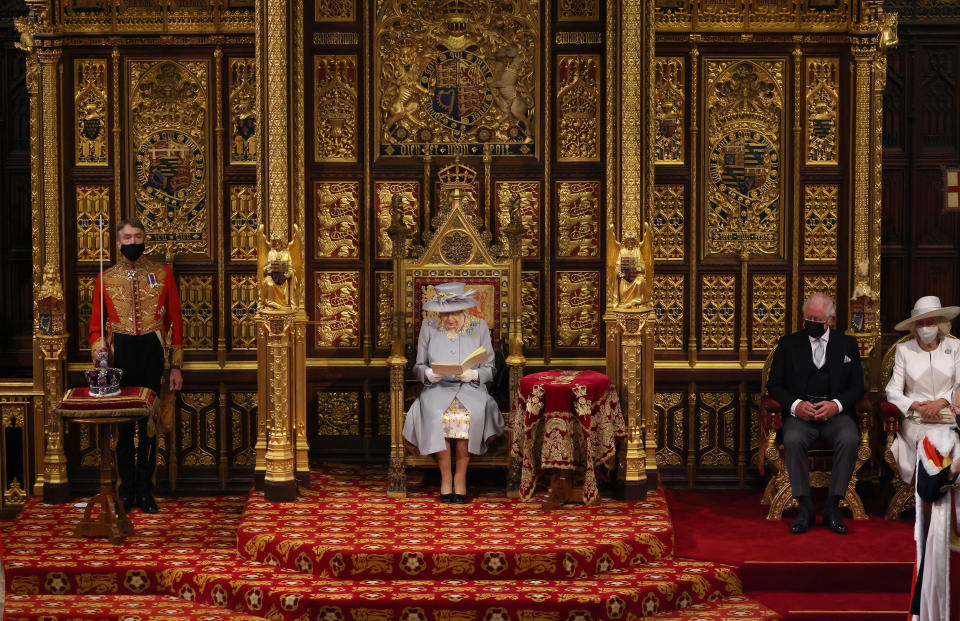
x=218, y=579
x=350, y=529
x=839, y=606
x=114, y=608
x=738, y=607
x=885, y=576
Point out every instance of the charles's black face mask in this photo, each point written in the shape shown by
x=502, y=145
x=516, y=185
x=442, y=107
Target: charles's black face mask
x=132, y=251
x=814, y=328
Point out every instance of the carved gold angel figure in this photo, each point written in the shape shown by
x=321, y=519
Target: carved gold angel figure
x=280, y=268
x=631, y=265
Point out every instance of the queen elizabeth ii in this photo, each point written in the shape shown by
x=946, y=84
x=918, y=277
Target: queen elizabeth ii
x=453, y=413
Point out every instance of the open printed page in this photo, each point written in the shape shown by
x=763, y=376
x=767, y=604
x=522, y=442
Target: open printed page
x=448, y=369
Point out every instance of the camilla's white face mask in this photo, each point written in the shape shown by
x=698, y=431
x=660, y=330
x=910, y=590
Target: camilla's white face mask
x=927, y=334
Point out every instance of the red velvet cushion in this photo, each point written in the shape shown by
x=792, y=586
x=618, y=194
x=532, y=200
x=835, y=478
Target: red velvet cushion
x=132, y=401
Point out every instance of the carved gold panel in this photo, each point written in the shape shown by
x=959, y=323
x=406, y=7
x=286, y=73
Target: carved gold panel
x=820, y=222
x=337, y=215
x=530, y=193
x=456, y=78
x=716, y=429
x=721, y=14
x=578, y=10
x=668, y=297
x=90, y=111
x=243, y=428
x=669, y=102
x=530, y=309
x=383, y=192
x=244, y=220
x=338, y=309
x=743, y=183
x=462, y=176
x=773, y=12
x=578, y=107
x=669, y=206
x=822, y=110
x=578, y=218
x=169, y=141
x=769, y=310
x=384, y=284
x=335, y=11
x=197, y=427
x=383, y=413
x=85, y=286
x=718, y=295
x=338, y=413
x=196, y=308
x=93, y=212
x=826, y=283
x=335, y=108
x=243, y=111
x=243, y=310
x=670, y=410
x=578, y=309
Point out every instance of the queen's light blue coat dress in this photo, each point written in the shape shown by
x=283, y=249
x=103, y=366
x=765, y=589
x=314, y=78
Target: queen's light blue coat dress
x=423, y=426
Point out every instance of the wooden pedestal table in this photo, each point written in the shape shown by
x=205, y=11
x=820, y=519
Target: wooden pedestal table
x=79, y=406
x=566, y=423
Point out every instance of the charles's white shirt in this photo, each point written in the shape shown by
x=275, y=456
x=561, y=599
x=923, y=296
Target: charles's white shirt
x=924, y=375
x=825, y=337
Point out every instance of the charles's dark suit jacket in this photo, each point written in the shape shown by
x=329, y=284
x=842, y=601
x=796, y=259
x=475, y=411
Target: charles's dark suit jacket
x=793, y=361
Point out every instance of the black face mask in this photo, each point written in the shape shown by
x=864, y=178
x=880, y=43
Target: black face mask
x=132, y=251
x=815, y=328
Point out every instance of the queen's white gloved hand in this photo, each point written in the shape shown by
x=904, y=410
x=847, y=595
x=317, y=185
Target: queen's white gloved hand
x=470, y=375
x=432, y=377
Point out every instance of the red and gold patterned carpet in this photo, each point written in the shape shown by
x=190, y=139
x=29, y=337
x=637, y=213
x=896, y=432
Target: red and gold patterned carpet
x=346, y=551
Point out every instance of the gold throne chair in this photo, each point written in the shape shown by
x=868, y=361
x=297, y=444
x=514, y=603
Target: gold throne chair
x=455, y=250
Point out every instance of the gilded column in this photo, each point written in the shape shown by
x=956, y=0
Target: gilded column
x=514, y=232
x=397, y=360
x=279, y=483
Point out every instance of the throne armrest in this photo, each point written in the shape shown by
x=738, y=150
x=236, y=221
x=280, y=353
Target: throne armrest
x=864, y=414
x=890, y=415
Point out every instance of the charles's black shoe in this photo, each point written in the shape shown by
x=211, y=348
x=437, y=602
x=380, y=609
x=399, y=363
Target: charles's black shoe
x=833, y=521
x=127, y=502
x=148, y=504
x=801, y=524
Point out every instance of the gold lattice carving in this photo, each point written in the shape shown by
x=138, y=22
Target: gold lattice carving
x=14, y=494
x=578, y=107
x=578, y=10
x=578, y=218
x=337, y=213
x=530, y=309
x=196, y=308
x=718, y=311
x=774, y=12
x=383, y=413
x=90, y=111
x=578, y=309
x=668, y=296
x=169, y=129
x=744, y=119
x=93, y=212
x=383, y=192
x=668, y=221
x=335, y=108
x=769, y=310
x=820, y=220
x=670, y=427
x=243, y=310
x=716, y=427
x=338, y=413
x=457, y=78
x=823, y=110
x=826, y=283
x=198, y=429
x=335, y=11
x=529, y=192
x=669, y=110
x=243, y=111
x=725, y=14
x=338, y=309
x=244, y=220
x=85, y=285
x=384, y=285
x=243, y=417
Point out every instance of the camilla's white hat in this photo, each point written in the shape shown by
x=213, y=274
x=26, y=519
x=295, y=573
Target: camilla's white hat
x=928, y=306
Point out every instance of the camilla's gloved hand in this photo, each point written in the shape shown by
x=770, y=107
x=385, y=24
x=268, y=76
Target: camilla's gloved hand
x=470, y=375
x=432, y=377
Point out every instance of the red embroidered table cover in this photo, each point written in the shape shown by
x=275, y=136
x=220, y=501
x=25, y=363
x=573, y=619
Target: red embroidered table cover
x=566, y=420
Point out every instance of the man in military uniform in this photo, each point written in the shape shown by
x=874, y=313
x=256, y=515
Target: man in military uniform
x=141, y=306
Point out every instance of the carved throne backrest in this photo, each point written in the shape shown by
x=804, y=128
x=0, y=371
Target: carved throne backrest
x=889, y=357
